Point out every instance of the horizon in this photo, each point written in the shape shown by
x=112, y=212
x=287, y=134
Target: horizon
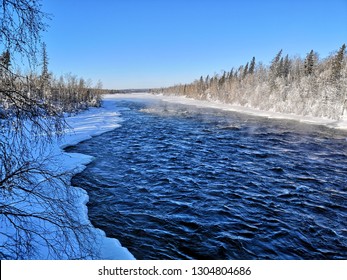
x=151, y=44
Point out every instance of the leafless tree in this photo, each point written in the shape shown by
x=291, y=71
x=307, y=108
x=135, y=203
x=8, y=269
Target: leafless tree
x=37, y=207
x=22, y=22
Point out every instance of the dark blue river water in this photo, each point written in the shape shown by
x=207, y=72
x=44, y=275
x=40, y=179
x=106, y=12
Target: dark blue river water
x=181, y=182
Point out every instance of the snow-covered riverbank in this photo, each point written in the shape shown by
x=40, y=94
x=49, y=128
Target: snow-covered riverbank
x=341, y=124
x=90, y=123
x=56, y=224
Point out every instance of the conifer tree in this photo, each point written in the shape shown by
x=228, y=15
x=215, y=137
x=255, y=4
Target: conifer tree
x=5, y=63
x=275, y=70
x=231, y=74
x=201, y=84
x=222, y=80
x=286, y=66
x=5, y=60
x=309, y=63
x=45, y=77
x=44, y=73
x=338, y=63
x=275, y=65
x=207, y=80
x=281, y=68
x=252, y=66
x=245, y=71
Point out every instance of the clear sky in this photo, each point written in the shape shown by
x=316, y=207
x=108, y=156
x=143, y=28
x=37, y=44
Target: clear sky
x=154, y=43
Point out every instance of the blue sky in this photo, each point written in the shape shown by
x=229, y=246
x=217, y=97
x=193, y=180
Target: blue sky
x=153, y=43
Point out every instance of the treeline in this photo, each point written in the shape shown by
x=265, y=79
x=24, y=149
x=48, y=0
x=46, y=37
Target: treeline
x=310, y=86
x=121, y=91
x=67, y=93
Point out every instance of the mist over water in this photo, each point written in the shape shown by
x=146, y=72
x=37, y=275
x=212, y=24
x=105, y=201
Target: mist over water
x=181, y=182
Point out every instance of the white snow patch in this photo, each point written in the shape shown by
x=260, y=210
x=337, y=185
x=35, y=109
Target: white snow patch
x=83, y=126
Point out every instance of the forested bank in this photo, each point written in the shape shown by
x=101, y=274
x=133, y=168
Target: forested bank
x=19, y=91
x=308, y=86
x=37, y=204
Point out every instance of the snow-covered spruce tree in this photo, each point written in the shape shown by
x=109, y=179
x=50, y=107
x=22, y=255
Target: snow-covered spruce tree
x=275, y=69
x=45, y=78
x=286, y=67
x=338, y=79
x=310, y=62
x=252, y=66
x=337, y=63
x=37, y=215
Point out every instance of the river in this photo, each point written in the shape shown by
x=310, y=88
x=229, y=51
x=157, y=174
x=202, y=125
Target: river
x=183, y=182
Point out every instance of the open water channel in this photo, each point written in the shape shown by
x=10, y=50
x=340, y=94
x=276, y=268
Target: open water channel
x=182, y=182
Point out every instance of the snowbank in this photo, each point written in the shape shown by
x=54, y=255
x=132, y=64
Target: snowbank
x=342, y=124
x=83, y=126
x=46, y=218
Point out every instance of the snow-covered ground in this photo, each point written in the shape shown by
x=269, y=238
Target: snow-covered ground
x=56, y=224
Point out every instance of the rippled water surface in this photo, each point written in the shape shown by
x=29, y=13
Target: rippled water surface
x=181, y=182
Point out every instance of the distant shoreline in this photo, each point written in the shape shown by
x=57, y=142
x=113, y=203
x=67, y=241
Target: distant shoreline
x=340, y=124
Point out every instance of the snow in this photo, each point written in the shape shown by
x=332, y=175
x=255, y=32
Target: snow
x=89, y=242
